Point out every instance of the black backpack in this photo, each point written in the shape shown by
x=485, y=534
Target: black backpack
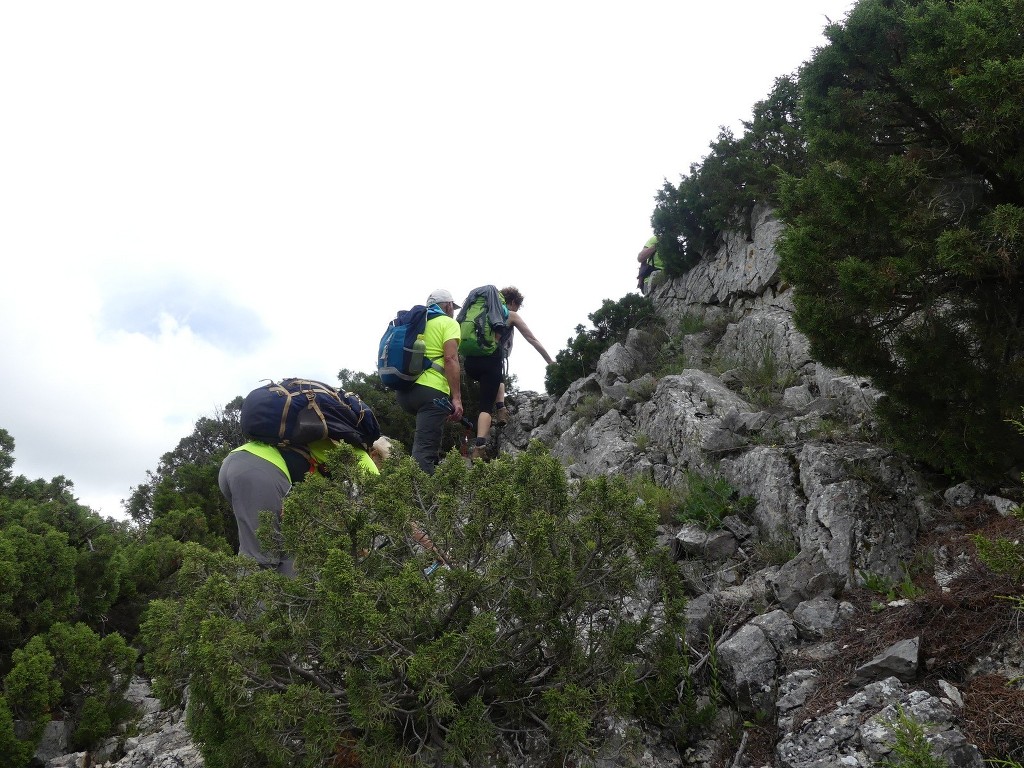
x=300, y=411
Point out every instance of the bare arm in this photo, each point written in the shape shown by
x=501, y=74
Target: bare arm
x=453, y=373
x=518, y=324
x=646, y=253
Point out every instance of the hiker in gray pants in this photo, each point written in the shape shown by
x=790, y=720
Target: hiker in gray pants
x=253, y=479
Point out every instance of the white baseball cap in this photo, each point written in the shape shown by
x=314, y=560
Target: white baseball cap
x=440, y=296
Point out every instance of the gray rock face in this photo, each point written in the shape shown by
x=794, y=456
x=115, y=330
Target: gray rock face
x=767, y=336
x=960, y=495
x=852, y=502
x=900, y=660
x=805, y=577
x=750, y=663
x=767, y=474
x=794, y=689
x=621, y=364
x=684, y=418
x=860, y=511
x=161, y=740
x=816, y=616
x=598, y=448
x=54, y=741
x=839, y=508
x=742, y=271
x=862, y=731
x=853, y=395
x=715, y=545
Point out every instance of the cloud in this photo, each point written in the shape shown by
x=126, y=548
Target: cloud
x=135, y=301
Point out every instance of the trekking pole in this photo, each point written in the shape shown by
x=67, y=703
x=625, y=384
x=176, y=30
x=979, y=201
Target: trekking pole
x=444, y=402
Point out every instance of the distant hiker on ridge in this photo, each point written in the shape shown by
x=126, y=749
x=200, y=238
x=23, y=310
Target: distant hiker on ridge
x=651, y=261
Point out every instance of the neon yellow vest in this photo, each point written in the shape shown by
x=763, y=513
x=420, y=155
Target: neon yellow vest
x=268, y=452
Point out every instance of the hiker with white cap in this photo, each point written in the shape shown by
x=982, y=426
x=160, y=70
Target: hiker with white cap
x=441, y=337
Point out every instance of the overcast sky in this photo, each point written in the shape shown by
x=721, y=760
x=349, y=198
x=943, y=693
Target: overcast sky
x=197, y=196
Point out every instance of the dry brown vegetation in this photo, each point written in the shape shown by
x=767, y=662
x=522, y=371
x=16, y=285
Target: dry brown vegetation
x=957, y=626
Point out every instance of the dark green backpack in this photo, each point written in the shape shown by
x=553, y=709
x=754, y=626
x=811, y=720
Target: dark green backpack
x=478, y=336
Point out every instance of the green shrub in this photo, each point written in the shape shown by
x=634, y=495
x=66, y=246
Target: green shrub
x=1001, y=555
x=669, y=359
x=762, y=379
x=708, y=500
x=525, y=635
x=690, y=324
x=641, y=440
x=904, y=238
x=643, y=389
x=775, y=550
x=663, y=501
x=904, y=589
x=720, y=192
x=592, y=407
x=910, y=748
x=30, y=691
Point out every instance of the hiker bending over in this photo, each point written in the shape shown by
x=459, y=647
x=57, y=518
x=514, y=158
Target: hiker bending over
x=651, y=261
x=441, y=337
x=256, y=477
x=490, y=369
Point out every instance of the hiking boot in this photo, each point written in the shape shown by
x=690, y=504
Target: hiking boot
x=501, y=416
x=479, y=452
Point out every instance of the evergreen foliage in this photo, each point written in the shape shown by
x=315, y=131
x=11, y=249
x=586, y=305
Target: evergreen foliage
x=612, y=323
x=65, y=578
x=557, y=606
x=906, y=229
x=721, y=190
x=182, y=494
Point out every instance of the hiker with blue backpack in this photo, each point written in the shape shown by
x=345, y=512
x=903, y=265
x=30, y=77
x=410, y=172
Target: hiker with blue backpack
x=487, y=321
x=418, y=357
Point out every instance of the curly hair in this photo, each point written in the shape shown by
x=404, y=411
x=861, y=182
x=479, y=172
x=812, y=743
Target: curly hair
x=512, y=295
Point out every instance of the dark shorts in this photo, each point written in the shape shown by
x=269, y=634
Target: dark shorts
x=488, y=372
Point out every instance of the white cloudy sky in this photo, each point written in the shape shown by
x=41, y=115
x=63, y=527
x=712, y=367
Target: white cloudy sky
x=196, y=196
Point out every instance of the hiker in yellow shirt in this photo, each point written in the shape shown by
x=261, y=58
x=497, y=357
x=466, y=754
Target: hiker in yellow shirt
x=441, y=336
x=651, y=261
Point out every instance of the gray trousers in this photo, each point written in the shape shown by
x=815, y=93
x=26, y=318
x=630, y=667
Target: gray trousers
x=430, y=419
x=251, y=485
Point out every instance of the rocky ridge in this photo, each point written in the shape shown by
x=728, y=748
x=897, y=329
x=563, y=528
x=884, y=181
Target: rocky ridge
x=743, y=399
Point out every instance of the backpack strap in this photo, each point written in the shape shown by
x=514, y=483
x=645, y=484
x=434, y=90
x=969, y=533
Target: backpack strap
x=300, y=462
x=434, y=311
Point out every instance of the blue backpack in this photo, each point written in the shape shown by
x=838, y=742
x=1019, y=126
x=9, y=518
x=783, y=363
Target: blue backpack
x=400, y=356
